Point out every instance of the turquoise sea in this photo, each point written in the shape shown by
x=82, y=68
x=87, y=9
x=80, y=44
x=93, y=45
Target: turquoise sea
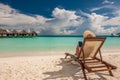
x=47, y=45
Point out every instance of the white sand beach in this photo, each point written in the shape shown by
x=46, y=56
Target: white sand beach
x=53, y=67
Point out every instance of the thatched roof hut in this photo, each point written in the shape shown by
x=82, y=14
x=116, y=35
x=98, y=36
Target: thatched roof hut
x=23, y=32
x=33, y=33
x=3, y=31
x=14, y=32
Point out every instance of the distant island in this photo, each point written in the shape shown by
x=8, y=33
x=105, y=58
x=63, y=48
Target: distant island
x=15, y=33
x=118, y=34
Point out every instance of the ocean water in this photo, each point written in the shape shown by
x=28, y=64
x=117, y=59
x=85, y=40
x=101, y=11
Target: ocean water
x=46, y=45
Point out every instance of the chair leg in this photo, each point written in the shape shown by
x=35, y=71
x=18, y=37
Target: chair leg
x=66, y=56
x=84, y=73
x=83, y=69
x=110, y=72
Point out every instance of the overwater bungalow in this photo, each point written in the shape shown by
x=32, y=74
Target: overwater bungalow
x=3, y=32
x=33, y=33
x=23, y=33
x=14, y=33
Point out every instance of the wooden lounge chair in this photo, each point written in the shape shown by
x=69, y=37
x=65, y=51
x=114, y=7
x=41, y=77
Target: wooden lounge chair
x=88, y=58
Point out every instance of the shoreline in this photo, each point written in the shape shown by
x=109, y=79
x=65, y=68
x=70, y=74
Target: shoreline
x=38, y=53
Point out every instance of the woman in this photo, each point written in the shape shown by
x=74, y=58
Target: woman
x=86, y=34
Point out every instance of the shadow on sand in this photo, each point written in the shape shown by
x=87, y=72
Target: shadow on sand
x=70, y=71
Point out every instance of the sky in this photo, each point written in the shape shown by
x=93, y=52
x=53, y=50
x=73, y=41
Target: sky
x=61, y=17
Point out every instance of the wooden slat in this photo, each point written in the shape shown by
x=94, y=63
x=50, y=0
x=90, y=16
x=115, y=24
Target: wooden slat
x=108, y=64
x=89, y=59
x=92, y=61
x=88, y=68
x=98, y=66
x=100, y=70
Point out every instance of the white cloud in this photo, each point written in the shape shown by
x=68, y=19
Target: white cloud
x=113, y=21
x=101, y=24
x=107, y=2
x=116, y=12
x=10, y=16
x=64, y=14
x=112, y=7
x=96, y=8
x=98, y=23
x=63, y=21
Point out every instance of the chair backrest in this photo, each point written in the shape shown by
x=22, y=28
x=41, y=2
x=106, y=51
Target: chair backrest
x=90, y=47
